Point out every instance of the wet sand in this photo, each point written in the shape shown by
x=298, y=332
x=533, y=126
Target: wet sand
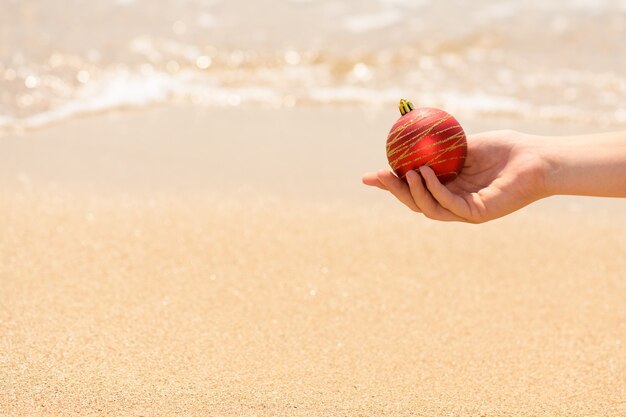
x=153, y=270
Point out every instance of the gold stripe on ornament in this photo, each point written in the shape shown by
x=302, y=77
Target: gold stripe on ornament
x=421, y=135
x=458, y=138
x=459, y=142
x=405, y=126
x=435, y=160
x=420, y=116
x=405, y=147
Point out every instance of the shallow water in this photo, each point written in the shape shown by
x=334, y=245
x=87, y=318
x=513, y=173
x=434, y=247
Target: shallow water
x=557, y=61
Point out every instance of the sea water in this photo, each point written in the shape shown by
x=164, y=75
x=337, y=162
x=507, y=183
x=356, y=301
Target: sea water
x=558, y=60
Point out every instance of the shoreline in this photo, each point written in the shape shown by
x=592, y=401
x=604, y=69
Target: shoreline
x=187, y=148
x=142, y=274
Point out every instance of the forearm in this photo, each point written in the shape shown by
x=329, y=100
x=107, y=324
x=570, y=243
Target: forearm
x=592, y=165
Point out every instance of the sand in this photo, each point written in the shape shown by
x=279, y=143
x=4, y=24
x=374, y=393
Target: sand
x=152, y=270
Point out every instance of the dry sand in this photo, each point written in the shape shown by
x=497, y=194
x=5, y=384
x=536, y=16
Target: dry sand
x=141, y=275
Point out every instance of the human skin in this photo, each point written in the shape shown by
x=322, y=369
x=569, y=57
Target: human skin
x=507, y=170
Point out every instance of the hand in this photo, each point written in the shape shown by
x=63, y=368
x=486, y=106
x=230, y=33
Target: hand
x=503, y=172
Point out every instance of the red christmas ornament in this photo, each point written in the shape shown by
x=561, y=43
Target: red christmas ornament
x=426, y=136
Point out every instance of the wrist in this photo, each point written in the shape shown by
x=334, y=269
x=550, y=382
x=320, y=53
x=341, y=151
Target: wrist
x=550, y=163
x=542, y=164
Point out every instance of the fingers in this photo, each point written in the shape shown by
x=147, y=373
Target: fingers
x=446, y=198
x=432, y=199
x=371, y=179
x=426, y=202
x=398, y=188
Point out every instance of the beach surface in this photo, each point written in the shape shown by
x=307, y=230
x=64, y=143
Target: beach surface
x=228, y=262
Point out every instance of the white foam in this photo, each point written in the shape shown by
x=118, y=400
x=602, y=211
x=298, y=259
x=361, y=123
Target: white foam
x=123, y=89
x=412, y=4
x=368, y=22
x=206, y=20
x=347, y=94
x=481, y=102
x=498, y=11
x=584, y=6
x=288, y=86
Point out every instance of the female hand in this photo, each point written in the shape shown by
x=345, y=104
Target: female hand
x=503, y=172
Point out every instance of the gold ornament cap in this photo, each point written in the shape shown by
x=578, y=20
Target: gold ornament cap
x=405, y=106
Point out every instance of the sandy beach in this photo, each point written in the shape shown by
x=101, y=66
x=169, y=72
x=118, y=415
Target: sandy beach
x=192, y=271
x=184, y=231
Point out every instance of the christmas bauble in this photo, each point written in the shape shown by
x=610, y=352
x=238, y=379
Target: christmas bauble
x=426, y=136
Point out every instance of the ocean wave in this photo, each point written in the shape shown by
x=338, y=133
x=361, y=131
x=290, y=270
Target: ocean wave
x=136, y=90
x=370, y=22
x=561, y=60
